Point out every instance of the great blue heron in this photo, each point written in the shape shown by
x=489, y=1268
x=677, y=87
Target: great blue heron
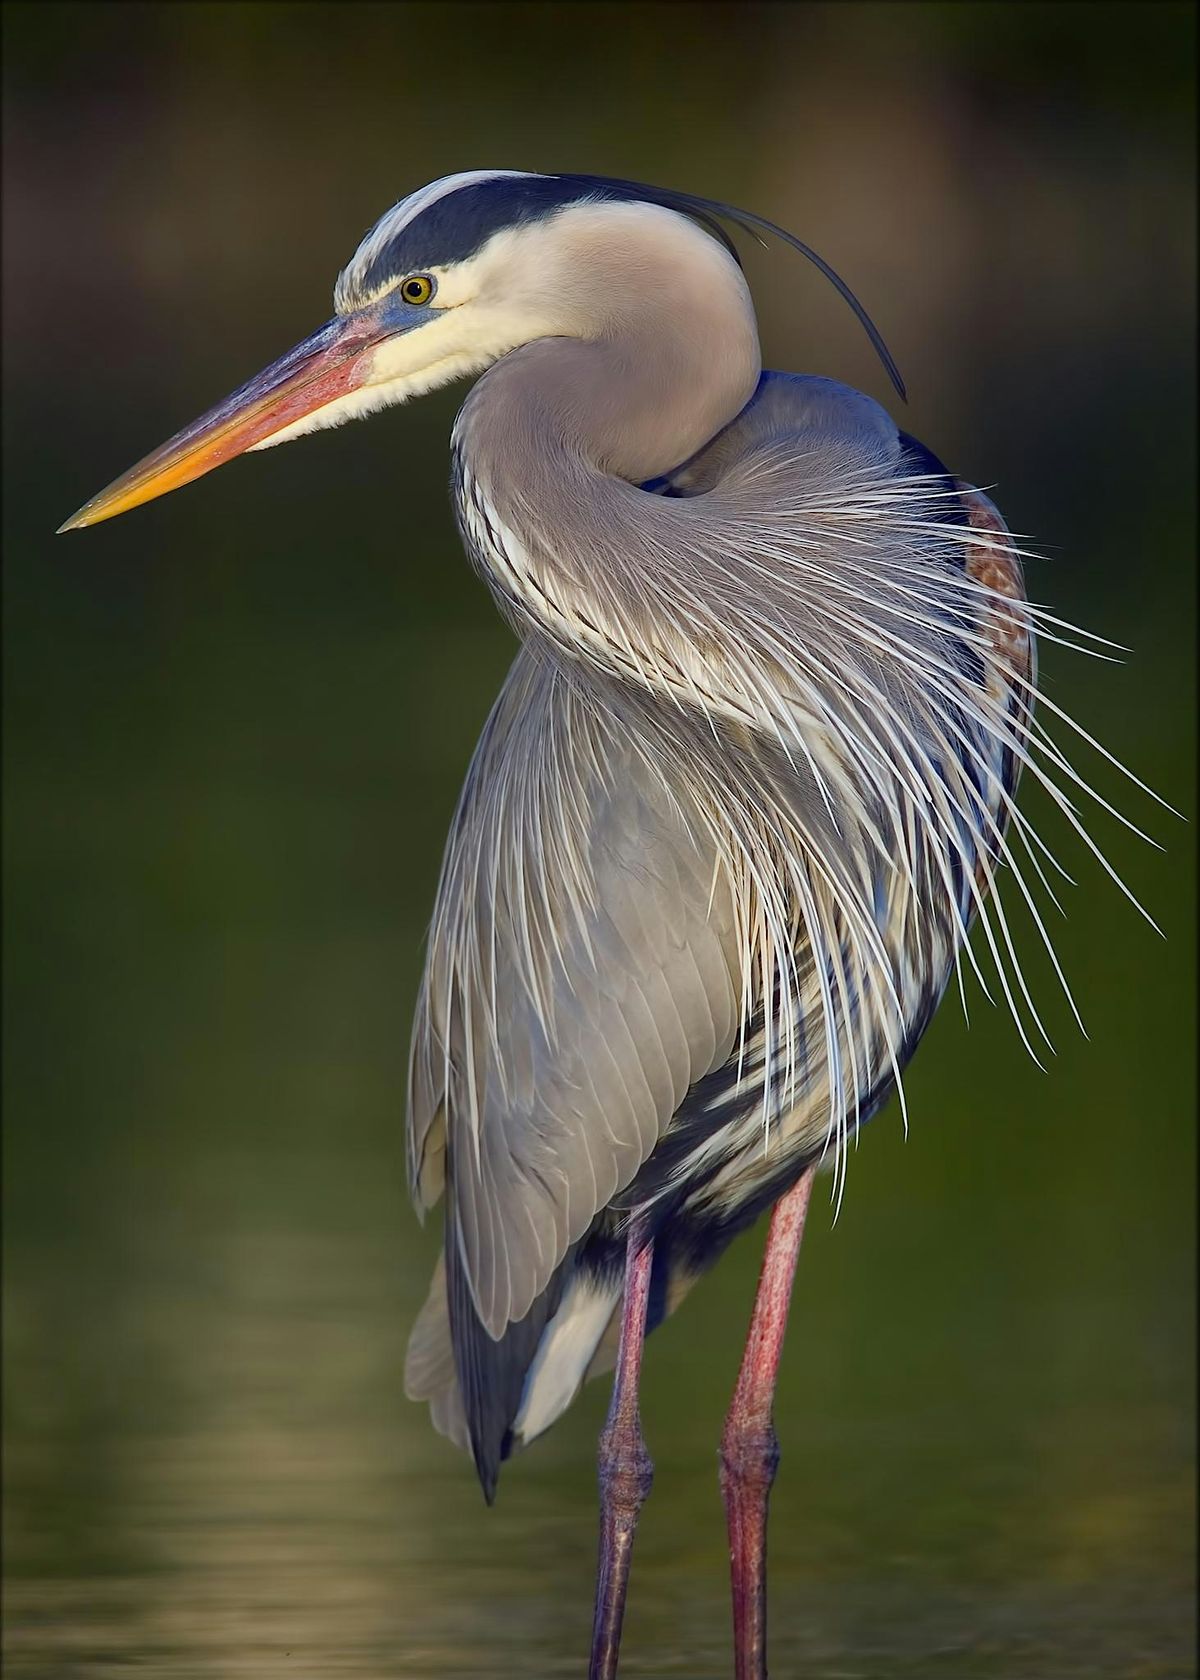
x=747, y=785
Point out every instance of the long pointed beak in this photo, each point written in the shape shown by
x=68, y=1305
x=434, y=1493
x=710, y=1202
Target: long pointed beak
x=327, y=365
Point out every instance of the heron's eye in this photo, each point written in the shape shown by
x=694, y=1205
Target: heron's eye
x=418, y=288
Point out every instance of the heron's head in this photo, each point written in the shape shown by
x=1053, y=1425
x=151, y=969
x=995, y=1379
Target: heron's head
x=454, y=277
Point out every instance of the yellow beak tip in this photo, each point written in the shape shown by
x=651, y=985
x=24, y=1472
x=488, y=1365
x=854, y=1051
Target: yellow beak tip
x=94, y=512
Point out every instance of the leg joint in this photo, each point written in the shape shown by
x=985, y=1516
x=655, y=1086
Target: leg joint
x=750, y=1455
x=626, y=1468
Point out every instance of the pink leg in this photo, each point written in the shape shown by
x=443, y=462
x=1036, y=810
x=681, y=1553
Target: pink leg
x=625, y=1467
x=749, y=1447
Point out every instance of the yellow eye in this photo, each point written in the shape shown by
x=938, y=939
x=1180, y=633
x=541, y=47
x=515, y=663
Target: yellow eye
x=418, y=288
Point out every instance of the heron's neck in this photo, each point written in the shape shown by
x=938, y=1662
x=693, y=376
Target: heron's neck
x=554, y=438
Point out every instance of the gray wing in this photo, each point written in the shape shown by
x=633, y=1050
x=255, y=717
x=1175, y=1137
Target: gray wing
x=580, y=977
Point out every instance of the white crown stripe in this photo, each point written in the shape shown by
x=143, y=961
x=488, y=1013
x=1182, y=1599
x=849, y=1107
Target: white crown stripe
x=400, y=216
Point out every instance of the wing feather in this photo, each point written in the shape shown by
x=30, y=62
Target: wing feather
x=580, y=977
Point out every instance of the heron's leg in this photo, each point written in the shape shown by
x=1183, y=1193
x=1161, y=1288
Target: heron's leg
x=749, y=1448
x=625, y=1467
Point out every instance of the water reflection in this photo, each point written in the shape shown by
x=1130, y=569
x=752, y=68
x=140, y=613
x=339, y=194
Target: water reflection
x=277, y=1508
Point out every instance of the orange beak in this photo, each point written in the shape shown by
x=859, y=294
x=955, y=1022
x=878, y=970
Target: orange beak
x=326, y=366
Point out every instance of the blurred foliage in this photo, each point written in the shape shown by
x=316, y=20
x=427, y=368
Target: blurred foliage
x=235, y=724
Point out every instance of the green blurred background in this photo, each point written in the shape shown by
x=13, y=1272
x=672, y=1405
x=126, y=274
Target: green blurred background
x=235, y=725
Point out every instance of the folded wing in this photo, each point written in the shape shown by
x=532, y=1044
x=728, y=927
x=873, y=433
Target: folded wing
x=580, y=977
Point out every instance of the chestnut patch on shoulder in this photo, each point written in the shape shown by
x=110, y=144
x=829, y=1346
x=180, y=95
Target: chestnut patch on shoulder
x=996, y=568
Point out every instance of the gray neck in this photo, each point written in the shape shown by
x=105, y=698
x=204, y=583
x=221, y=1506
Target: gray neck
x=551, y=439
x=632, y=407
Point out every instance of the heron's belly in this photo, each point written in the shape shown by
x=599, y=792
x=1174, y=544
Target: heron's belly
x=729, y=1154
